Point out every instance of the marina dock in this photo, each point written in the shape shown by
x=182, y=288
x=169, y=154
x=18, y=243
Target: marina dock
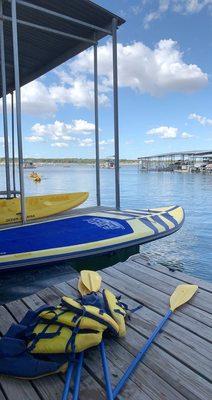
x=178, y=365
x=182, y=161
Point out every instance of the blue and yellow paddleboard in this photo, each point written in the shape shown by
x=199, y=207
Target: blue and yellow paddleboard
x=85, y=235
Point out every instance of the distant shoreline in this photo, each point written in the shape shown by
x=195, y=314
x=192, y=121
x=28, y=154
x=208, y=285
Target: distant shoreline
x=47, y=161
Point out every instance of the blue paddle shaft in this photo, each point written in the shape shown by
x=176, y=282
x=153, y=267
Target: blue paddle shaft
x=68, y=380
x=78, y=376
x=140, y=355
x=106, y=372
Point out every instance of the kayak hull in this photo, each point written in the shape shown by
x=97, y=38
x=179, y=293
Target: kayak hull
x=85, y=235
x=39, y=206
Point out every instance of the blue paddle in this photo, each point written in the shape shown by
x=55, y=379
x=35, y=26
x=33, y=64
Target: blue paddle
x=109, y=390
x=68, y=380
x=78, y=376
x=181, y=295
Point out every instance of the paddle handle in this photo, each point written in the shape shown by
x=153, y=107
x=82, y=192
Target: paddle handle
x=78, y=376
x=68, y=380
x=106, y=371
x=140, y=355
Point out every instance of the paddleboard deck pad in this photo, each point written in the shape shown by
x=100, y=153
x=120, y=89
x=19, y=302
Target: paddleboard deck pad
x=85, y=235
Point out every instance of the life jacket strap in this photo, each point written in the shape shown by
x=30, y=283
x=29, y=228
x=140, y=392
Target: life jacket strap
x=43, y=335
x=75, y=331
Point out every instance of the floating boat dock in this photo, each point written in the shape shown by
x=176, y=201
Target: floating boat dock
x=177, y=367
x=182, y=161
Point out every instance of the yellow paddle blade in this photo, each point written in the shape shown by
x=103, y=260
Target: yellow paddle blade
x=181, y=295
x=82, y=289
x=91, y=280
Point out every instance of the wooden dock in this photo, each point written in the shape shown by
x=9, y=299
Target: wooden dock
x=177, y=367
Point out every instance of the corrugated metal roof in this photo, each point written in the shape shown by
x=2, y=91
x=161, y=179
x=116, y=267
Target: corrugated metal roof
x=41, y=51
x=180, y=153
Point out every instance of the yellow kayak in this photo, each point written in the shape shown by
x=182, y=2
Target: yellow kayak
x=39, y=206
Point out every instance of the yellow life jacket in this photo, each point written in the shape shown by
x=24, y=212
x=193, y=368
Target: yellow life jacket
x=116, y=310
x=55, y=339
x=92, y=312
x=72, y=327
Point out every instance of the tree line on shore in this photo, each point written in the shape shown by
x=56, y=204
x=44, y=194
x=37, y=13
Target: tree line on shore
x=65, y=160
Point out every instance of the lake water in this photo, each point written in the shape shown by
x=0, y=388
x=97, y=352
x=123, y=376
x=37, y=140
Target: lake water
x=190, y=249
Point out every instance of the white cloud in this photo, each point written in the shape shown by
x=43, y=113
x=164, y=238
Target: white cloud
x=177, y=6
x=35, y=100
x=155, y=71
x=59, y=144
x=150, y=141
x=59, y=133
x=34, y=138
x=88, y=142
x=82, y=126
x=40, y=99
x=186, y=135
x=69, y=138
x=164, y=132
x=199, y=118
x=61, y=130
x=80, y=92
x=154, y=15
x=190, y=6
x=106, y=142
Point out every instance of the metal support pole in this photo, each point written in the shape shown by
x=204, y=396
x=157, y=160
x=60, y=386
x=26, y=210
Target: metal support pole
x=96, y=106
x=4, y=102
x=13, y=142
x=116, y=121
x=18, y=106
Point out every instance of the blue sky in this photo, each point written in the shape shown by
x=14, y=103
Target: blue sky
x=165, y=94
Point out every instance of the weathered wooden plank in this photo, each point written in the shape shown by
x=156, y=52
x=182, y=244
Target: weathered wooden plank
x=135, y=394
x=63, y=289
x=18, y=309
x=5, y=320
x=149, y=319
x=138, y=258
x=143, y=379
x=155, y=300
x=33, y=301
x=164, y=283
x=182, y=378
x=49, y=296
x=191, y=309
x=161, y=387
x=171, y=345
x=131, y=390
x=2, y=397
x=146, y=379
x=90, y=388
x=15, y=389
x=144, y=323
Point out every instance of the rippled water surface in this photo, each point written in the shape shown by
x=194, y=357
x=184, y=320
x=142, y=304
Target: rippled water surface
x=189, y=249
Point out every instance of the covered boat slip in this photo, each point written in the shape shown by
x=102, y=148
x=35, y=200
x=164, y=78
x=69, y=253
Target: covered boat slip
x=177, y=367
x=37, y=36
